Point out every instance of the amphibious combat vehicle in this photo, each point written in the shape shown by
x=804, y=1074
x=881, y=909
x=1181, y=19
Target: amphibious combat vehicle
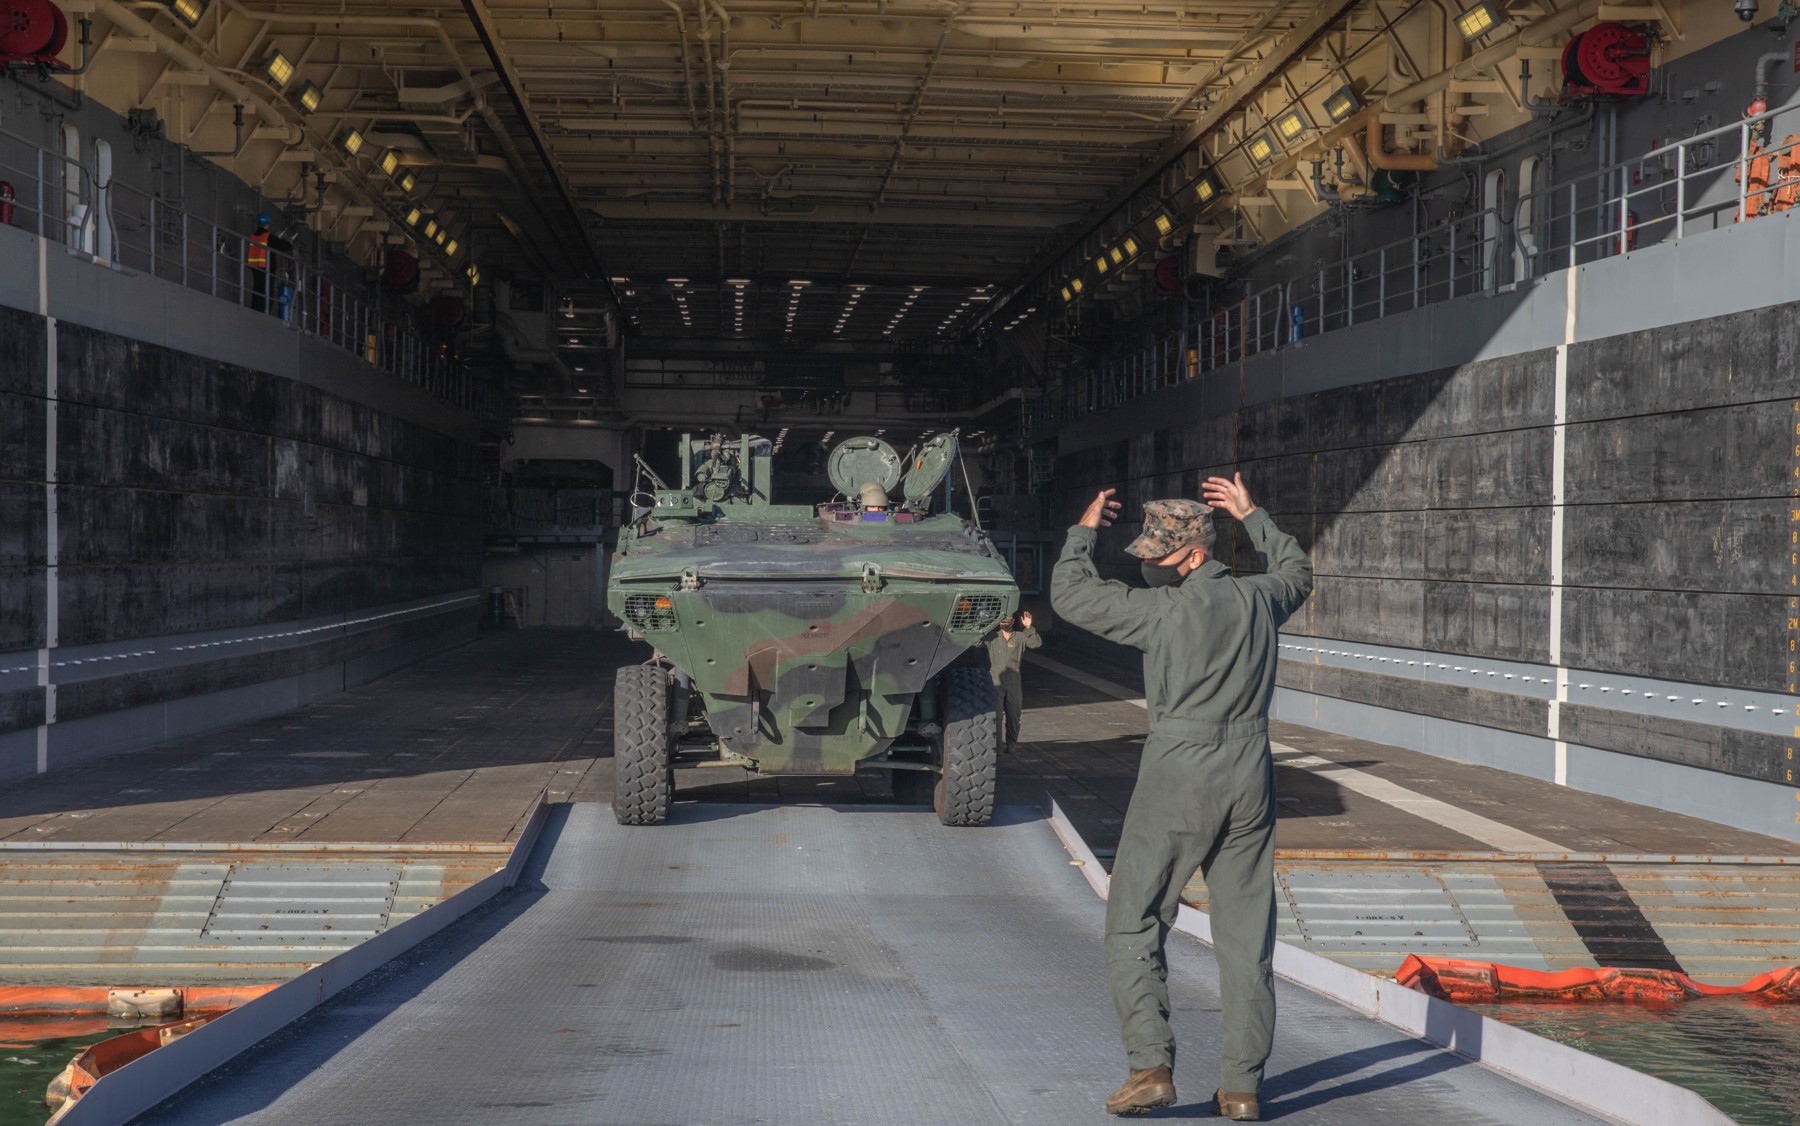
x=807, y=639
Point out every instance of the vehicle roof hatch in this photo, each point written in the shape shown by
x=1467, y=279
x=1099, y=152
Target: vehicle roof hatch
x=857, y=461
x=930, y=465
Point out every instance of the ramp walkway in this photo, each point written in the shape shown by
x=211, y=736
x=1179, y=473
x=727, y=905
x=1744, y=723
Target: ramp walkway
x=833, y=964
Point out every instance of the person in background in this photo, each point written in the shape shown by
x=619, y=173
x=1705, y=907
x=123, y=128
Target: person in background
x=256, y=258
x=1006, y=654
x=1205, y=794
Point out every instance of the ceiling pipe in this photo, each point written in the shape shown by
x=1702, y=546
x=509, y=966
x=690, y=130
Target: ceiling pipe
x=1375, y=147
x=687, y=70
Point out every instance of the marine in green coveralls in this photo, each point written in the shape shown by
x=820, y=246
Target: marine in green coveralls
x=1205, y=789
x=1006, y=653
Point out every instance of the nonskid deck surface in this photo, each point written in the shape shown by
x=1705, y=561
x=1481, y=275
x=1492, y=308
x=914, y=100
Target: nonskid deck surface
x=811, y=964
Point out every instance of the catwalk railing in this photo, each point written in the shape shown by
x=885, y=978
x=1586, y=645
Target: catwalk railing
x=116, y=225
x=1714, y=179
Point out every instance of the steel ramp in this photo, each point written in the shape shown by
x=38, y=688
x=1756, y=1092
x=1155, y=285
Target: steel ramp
x=756, y=964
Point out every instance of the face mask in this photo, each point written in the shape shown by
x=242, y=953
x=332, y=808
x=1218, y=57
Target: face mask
x=1155, y=575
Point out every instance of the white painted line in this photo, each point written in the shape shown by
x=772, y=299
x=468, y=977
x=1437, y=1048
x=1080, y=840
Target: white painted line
x=1469, y=824
x=1117, y=691
x=1568, y=1074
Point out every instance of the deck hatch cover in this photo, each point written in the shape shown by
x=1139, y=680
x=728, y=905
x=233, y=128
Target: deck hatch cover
x=286, y=902
x=1350, y=908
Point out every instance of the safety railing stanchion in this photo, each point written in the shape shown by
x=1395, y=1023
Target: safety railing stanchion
x=1680, y=190
x=1624, y=210
x=1574, y=231
x=1743, y=171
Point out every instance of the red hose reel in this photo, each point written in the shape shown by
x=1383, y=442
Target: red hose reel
x=32, y=31
x=1607, y=60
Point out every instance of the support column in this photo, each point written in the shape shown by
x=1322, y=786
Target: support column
x=50, y=516
x=1558, y=487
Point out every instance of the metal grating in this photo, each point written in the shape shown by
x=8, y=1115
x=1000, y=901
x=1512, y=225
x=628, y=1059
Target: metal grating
x=975, y=611
x=650, y=613
x=285, y=902
x=1358, y=908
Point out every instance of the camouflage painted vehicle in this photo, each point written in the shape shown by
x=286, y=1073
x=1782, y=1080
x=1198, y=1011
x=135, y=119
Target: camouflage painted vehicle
x=803, y=639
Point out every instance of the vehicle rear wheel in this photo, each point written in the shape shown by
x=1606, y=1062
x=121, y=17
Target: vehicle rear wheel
x=643, y=780
x=965, y=793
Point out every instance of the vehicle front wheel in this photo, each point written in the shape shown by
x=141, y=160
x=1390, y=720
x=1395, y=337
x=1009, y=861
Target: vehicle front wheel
x=643, y=781
x=971, y=761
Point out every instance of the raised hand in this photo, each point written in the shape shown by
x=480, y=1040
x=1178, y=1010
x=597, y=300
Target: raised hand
x=1100, y=514
x=1025, y=619
x=1230, y=495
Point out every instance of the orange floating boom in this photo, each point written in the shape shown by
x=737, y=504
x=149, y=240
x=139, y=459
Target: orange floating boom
x=1487, y=982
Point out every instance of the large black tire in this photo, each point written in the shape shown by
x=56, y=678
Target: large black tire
x=965, y=793
x=643, y=783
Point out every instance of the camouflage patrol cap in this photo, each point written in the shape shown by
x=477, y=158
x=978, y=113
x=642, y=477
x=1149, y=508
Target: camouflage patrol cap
x=1172, y=524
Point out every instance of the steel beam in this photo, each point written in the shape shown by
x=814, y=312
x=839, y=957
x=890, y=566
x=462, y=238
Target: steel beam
x=483, y=23
x=623, y=211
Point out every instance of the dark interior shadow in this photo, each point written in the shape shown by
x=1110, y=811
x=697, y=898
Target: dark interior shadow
x=268, y=1069
x=701, y=813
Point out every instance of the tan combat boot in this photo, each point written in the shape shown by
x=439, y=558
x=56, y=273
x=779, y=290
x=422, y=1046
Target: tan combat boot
x=1237, y=1106
x=1148, y=1087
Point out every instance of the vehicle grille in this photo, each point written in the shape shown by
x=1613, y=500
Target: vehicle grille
x=975, y=611
x=650, y=613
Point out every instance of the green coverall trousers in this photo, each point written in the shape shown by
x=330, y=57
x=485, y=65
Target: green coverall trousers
x=1209, y=806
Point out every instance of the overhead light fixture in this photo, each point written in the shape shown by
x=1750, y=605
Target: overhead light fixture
x=352, y=141
x=1261, y=148
x=431, y=228
x=310, y=96
x=1131, y=245
x=408, y=181
x=390, y=162
x=278, y=68
x=1290, y=125
x=189, y=11
x=1118, y=256
x=1340, y=105
x=1205, y=190
x=443, y=233
x=1075, y=284
x=413, y=217
x=450, y=248
x=1066, y=295
x=1477, y=20
x=1164, y=224
x=1101, y=264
